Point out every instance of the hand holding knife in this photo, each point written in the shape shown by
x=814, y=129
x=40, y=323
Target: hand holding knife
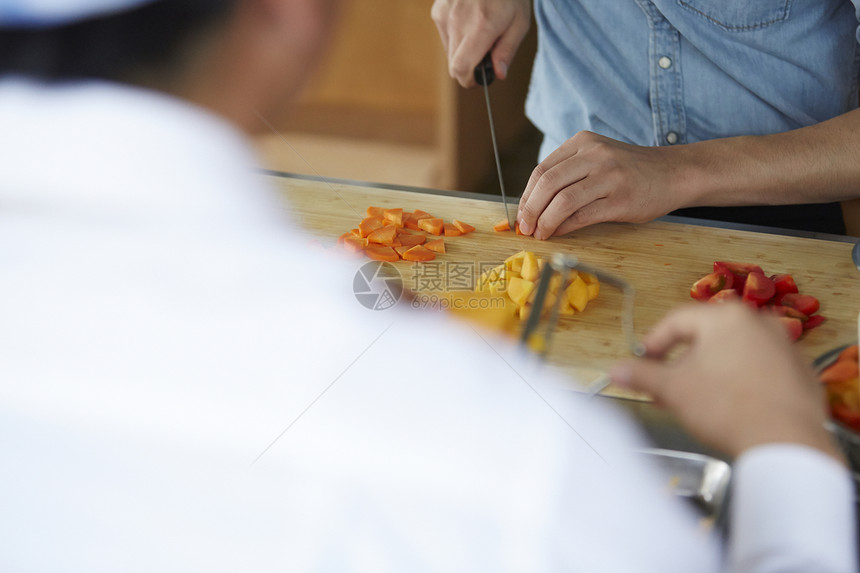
x=484, y=75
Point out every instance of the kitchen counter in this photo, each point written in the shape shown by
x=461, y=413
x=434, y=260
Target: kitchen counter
x=661, y=259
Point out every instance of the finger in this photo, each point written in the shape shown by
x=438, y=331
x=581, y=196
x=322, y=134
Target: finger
x=549, y=184
x=564, y=151
x=455, y=38
x=598, y=211
x=439, y=15
x=456, y=22
x=643, y=375
x=475, y=45
x=566, y=204
x=442, y=28
x=681, y=326
x=507, y=46
x=772, y=324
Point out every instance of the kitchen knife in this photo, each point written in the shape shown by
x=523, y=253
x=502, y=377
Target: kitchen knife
x=485, y=75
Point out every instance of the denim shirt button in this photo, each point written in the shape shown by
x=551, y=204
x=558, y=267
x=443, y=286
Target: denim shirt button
x=665, y=62
x=671, y=138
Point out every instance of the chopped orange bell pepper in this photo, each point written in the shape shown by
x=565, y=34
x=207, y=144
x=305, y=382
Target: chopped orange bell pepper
x=850, y=353
x=436, y=245
x=383, y=235
x=502, y=226
x=432, y=226
x=451, y=230
x=387, y=232
x=368, y=225
x=411, y=240
x=464, y=227
x=839, y=371
x=381, y=253
x=354, y=244
x=395, y=216
x=419, y=254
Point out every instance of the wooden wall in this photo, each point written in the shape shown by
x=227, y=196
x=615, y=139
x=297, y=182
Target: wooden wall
x=385, y=82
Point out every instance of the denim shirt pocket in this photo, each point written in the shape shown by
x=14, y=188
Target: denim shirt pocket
x=739, y=15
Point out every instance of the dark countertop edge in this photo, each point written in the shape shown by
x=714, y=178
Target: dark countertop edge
x=498, y=199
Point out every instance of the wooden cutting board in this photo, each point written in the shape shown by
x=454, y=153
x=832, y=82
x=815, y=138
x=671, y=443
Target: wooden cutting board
x=660, y=259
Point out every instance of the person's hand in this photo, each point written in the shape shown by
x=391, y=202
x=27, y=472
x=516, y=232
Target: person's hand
x=593, y=179
x=737, y=382
x=470, y=28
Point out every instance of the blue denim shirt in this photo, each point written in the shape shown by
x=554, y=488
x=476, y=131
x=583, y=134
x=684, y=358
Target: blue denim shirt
x=658, y=72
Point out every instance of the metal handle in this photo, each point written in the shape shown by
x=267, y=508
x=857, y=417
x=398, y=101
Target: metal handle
x=563, y=264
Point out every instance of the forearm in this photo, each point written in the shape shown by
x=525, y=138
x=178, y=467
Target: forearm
x=815, y=164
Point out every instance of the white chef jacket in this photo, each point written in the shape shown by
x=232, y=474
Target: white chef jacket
x=188, y=384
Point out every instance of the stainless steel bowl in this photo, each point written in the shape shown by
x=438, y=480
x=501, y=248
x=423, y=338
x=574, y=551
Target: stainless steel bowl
x=699, y=478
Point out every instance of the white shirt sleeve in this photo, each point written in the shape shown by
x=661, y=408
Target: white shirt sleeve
x=792, y=511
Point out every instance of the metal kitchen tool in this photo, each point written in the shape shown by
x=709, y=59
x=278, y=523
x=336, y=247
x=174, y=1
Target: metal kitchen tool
x=562, y=264
x=485, y=75
x=701, y=479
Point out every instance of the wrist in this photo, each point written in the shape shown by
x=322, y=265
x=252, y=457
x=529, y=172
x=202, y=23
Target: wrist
x=693, y=177
x=811, y=434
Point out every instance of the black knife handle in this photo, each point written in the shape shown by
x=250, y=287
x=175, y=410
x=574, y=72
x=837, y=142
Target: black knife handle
x=487, y=66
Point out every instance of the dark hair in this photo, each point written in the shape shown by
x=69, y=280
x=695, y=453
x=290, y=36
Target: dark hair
x=113, y=47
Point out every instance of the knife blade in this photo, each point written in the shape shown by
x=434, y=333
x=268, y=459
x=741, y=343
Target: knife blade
x=484, y=75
